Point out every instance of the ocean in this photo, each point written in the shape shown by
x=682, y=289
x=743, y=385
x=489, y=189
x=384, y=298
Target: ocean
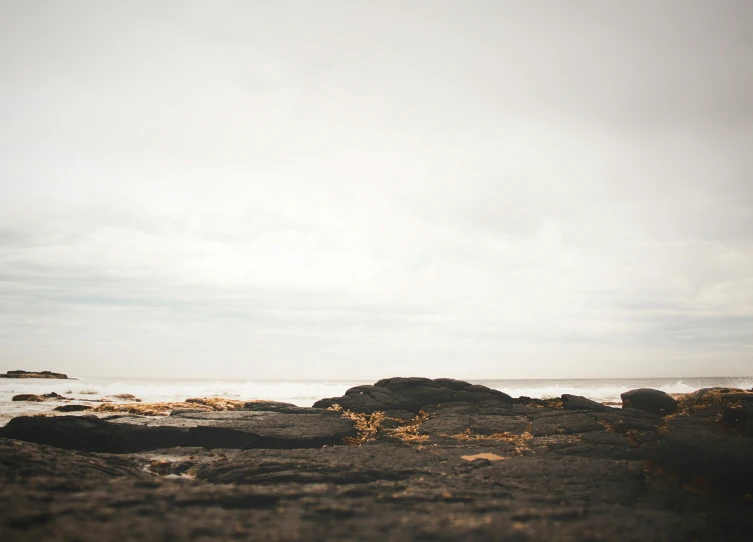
x=306, y=392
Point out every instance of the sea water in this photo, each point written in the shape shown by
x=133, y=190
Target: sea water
x=306, y=392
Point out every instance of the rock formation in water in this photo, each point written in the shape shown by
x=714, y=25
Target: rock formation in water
x=32, y=374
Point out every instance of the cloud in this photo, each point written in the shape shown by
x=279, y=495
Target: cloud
x=493, y=190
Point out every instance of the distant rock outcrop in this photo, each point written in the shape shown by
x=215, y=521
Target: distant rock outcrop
x=32, y=374
x=39, y=398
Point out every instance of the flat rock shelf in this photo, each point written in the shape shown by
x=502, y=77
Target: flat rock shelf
x=405, y=459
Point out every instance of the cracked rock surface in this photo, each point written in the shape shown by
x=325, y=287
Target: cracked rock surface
x=446, y=465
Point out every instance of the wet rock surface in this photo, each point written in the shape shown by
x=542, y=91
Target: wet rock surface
x=483, y=468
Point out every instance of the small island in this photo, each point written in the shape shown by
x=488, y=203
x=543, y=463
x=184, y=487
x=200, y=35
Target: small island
x=33, y=374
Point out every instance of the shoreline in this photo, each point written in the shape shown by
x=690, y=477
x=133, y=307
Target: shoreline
x=402, y=459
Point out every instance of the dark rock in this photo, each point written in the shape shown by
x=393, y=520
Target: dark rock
x=28, y=397
x=698, y=454
x=555, y=402
x=576, y=402
x=739, y=417
x=404, y=415
x=274, y=406
x=72, y=408
x=368, y=399
x=39, y=398
x=565, y=423
x=654, y=401
x=125, y=397
x=31, y=374
x=468, y=470
x=413, y=395
x=228, y=429
x=710, y=397
x=430, y=393
x=90, y=434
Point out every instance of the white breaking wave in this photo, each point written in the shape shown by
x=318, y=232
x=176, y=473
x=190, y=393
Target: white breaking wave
x=609, y=391
x=301, y=393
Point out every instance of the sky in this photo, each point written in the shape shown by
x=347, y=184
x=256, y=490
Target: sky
x=365, y=189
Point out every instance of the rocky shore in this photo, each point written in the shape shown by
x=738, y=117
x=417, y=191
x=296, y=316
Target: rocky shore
x=404, y=459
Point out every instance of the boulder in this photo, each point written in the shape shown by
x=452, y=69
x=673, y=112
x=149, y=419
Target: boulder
x=125, y=397
x=576, y=402
x=430, y=393
x=413, y=395
x=226, y=429
x=650, y=400
x=39, y=398
x=28, y=397
x=368, y=399
x=72, y=408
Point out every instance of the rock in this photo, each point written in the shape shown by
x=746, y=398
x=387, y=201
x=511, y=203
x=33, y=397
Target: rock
x=28, y=374
x=413, y=395
x=708, y=397
x=163, y=409
x=28, y=397
x=90, y=434
x=654, y=401
x=72, y=408
x=39, y=398
x=271, y=471
x=429, y=393
x=274, y=406
x=125, y=397
x=739, y=417
x=711, y=460
x=228, y=429
x=369, y=399
x=576, y=402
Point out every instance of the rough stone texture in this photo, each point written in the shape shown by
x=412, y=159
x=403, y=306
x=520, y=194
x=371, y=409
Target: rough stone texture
x=229, y=429
x=559, y=473
x=429, y=393
x=654, y=401
x=576, y=402
x=368, y=399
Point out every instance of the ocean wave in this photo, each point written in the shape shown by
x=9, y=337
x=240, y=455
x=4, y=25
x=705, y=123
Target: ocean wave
x=610, y=392
x=301, y=393
x=305, y=393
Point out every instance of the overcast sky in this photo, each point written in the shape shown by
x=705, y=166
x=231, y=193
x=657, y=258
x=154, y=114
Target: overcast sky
x=364, y=189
